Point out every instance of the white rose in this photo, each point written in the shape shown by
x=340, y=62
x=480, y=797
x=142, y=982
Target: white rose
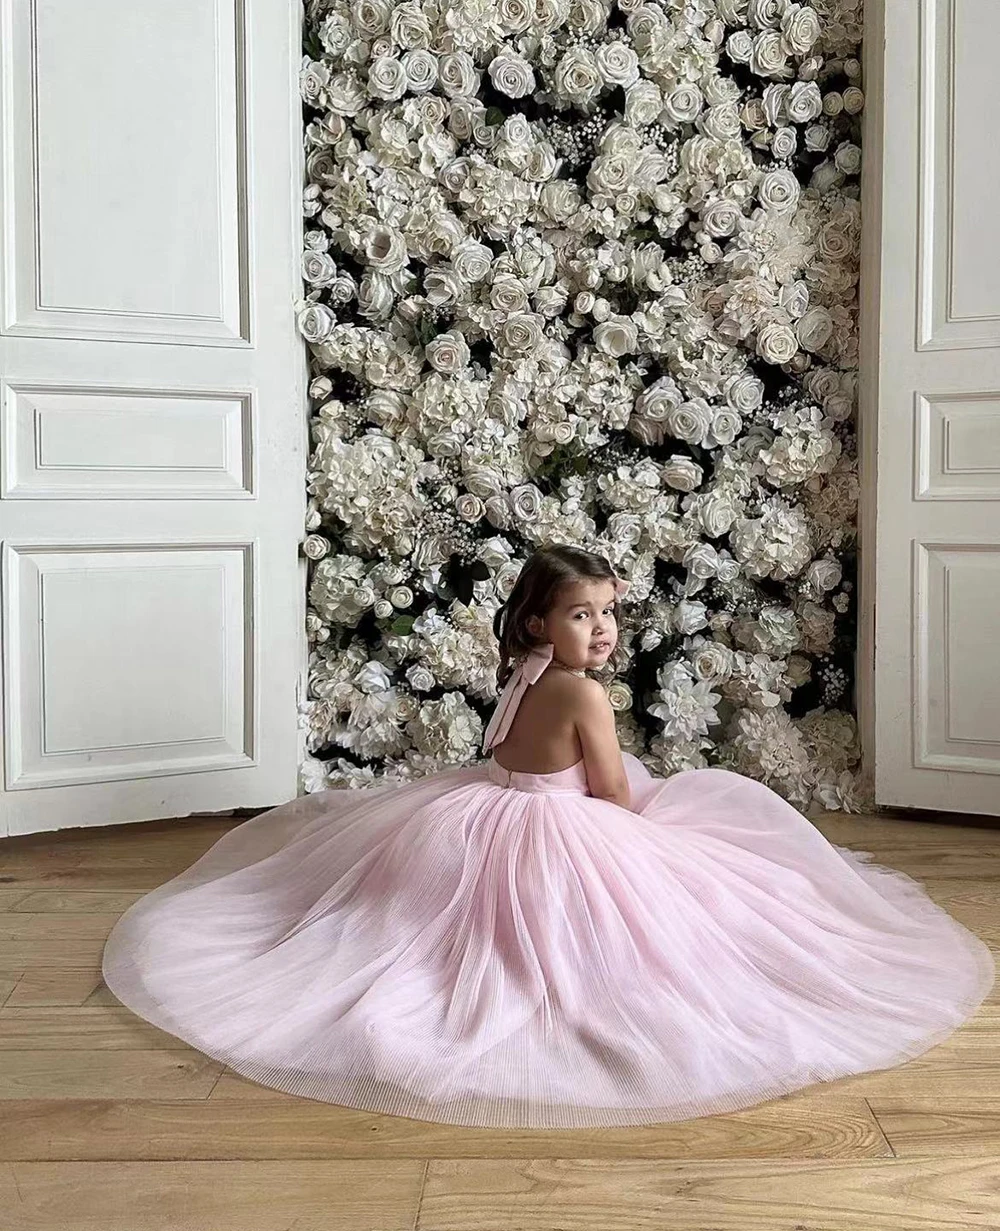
x=765, y=12
x=656, y=402
x=315, y=546
x=470, y=508
x=768, y=58
x=401, y=597
x=373, y=677
x=854, y=100
x=385, y=249
x=371, y=17
x=420, y=678
x=682, y=473
x=716, y=513
x=387, y=78
x=448, y=352
x=683, y=103
x=617, y=63
x=498, y=512
x=561, y=200
x=617, y=336
x=526, y=502
x=409, y=26
x=688, y=616
x=586, y=16
x=739, y=46
x=778, y=191
x=484, y=482
x=800, y=28
x=700, y=560
x=472, y=260
x=847, y=158
x=643, y=103
x=421, y=70
x=619, y=696
x=817, y=138
x=463, y=116
x=577, y=77
x=508, y=294
x=443, y=285
x=383, y=609
x=776, y=343
x=720, y=217
x=512, y=75
x=784, y=142
x=522, y=332
x=457, y=74
x=814, y=329
x=375, y=296
x=712, y=662
x=793, y=298
x=804, y=102
x=744, y=392
x=721, y=122
x=611, y=173
x=316, y=322
x=514, y=15
x=690, y=421
x=726, y=426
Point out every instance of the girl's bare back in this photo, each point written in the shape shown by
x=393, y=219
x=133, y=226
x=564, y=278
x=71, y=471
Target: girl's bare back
x=543, y=738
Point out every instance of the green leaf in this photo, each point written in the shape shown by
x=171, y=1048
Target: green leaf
x=494, y=115
x=402, y=626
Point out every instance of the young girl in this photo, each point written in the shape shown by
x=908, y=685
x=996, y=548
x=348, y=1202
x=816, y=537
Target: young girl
x=555, y=938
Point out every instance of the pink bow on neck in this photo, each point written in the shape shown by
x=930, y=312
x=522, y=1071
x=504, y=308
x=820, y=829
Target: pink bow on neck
x=528, y=671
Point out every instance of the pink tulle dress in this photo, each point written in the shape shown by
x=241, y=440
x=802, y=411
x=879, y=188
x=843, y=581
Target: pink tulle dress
x=490, y=948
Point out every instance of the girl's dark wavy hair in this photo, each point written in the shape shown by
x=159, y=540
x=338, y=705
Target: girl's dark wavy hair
x=546, y=571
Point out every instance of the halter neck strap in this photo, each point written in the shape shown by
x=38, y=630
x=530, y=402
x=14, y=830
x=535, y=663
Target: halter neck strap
x=528, y=671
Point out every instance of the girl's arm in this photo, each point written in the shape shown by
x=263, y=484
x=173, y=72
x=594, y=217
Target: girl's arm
x=602, y=757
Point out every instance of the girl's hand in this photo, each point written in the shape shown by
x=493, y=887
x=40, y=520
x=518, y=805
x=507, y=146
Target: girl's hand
x=602, y=757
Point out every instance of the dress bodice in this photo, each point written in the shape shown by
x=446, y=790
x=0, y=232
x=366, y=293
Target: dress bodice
x=571, y=781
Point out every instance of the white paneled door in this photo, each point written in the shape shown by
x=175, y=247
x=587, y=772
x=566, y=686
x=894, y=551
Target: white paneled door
x=931, y=415
x=152, y=391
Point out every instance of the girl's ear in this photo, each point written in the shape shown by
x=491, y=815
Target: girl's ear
x=535, y=626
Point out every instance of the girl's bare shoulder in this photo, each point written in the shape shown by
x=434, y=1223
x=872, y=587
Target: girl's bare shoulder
x=579, y=690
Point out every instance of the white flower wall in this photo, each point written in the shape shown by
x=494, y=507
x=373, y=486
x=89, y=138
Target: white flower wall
x=584, y=272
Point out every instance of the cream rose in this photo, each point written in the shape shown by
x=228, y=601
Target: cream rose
x=577, y=77
x=682, y=473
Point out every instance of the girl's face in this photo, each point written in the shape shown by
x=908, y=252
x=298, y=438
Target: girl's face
x=581, y=624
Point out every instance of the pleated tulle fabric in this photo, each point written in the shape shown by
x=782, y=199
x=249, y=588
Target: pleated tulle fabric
x=496, y=949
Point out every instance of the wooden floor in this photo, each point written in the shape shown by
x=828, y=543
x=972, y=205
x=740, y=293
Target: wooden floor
x=107, y=1124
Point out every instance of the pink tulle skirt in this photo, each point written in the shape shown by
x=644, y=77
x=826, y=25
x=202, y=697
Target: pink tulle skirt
x=496, y=949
